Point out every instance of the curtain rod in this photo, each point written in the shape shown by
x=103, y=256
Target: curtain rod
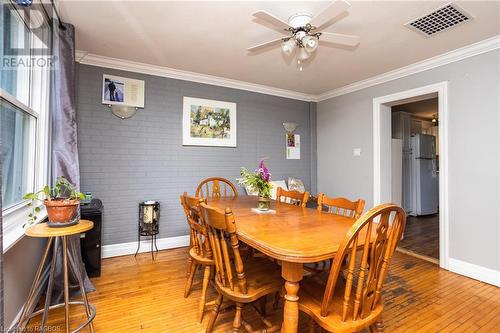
x=54, y=9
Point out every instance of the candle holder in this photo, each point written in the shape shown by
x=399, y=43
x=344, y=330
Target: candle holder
x=149, y=224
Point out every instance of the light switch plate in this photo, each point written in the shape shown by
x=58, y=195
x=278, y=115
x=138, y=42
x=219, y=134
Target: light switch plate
x=356, y=152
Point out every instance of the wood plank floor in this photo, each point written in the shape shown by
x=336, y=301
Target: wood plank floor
x=138, y=295
x=422, y=235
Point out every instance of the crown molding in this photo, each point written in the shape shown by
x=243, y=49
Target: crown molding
x=471, y=50
x=138, y=67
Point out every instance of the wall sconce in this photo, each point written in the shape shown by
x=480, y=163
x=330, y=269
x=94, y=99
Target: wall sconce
x=435, y=120
x=290, y=127
x=123, y=111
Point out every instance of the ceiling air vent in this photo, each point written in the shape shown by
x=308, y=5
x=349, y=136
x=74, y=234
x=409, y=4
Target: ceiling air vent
x=439, y=20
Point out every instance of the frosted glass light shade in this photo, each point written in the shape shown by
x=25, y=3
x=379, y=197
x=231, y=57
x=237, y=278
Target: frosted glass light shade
x=288, y=47
x=303, y=54
x=123, y=111
x=310, y=43
x=290, y=126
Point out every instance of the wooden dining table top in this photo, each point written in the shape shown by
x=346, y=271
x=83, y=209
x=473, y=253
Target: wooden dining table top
x=292, y=233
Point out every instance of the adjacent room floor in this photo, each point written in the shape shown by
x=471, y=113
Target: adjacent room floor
x=138, y=295
x=421, y=235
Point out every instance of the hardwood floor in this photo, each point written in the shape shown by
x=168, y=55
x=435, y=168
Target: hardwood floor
x=138, y=295
x=421, y=235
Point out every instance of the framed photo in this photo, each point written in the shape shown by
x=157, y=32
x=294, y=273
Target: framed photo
x=207, y=122
x=122, y=91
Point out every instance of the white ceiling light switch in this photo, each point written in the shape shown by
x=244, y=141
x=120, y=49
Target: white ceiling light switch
x=356, y=152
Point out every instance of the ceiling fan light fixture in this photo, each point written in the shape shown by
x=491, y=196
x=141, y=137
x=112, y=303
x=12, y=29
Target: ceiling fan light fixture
x=288, y=47
x=310, y=43
x=303, y=54
x=302, y=31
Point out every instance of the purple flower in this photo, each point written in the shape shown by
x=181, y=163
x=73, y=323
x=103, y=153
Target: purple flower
x=264, y=171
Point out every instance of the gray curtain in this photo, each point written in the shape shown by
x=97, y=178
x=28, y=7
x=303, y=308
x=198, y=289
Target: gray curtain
x=64, y=134
x=2, y=319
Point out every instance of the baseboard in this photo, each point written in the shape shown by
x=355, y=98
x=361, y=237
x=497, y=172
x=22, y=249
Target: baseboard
x=122, y=249
x=474, y=271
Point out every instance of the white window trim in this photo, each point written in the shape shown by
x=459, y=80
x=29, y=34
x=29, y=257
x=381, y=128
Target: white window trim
x=16, y=216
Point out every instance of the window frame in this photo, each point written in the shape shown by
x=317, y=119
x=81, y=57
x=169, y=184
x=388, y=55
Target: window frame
x=14, y=217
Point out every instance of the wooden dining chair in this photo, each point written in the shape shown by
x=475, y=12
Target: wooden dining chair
x=341, y=206
x=216, y=187
x=200, y=253
x=349, y=297
x=291, y=197
x=237, y=281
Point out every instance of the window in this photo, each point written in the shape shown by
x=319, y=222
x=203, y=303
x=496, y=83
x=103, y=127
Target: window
x=17, y=131
x=15, y=33
x=24, y=90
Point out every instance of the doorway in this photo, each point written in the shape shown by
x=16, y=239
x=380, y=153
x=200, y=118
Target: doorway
x=420, y=211
x=415, y=173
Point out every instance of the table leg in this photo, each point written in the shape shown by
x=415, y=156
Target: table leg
x=75, y=263
x=50, y=286
x=66, y=282
x=292, y=273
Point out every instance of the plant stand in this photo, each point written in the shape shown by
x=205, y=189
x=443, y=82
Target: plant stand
x=57, y=237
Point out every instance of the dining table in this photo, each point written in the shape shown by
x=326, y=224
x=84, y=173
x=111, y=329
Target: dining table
x=291, y=234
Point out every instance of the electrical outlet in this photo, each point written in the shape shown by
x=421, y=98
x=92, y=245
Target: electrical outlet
x=356, y=152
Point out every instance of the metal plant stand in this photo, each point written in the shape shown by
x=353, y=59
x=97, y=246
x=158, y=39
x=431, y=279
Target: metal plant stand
x=56, y=238
x=149, y=224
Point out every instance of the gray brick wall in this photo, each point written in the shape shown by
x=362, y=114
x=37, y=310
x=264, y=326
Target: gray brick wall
x=123, y=162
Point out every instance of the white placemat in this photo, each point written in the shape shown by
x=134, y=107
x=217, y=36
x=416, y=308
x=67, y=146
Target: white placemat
x=270, y=211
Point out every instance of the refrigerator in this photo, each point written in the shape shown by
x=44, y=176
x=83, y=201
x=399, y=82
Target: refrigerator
x=424, y=175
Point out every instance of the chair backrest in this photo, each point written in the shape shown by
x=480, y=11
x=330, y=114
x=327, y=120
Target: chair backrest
x=221, y=228
x=197, y=229
x=292, y=197
x=216, y=187
x=368, y=248
x=341, y=206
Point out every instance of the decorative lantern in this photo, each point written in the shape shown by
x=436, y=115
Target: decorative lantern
x=149, y=223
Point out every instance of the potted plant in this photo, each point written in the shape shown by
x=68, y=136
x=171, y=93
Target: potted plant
x=258, y=181
x=61, y=201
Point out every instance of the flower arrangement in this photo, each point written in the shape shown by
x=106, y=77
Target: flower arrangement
x=258, y=181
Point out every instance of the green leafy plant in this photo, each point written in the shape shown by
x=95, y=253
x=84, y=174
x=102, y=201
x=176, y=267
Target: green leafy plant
x=259, y=180
x=62, y=190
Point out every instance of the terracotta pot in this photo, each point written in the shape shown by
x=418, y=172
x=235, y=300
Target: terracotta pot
x=61, y=210
x=263, y=203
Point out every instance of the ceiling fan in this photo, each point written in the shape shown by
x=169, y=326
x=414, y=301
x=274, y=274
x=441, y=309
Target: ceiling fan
x=304, y=31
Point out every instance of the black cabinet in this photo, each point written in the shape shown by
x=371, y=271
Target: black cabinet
x=91, y=240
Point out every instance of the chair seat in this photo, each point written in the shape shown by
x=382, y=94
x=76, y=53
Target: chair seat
x=200, y=258
x=311, y=294
x=263, y=277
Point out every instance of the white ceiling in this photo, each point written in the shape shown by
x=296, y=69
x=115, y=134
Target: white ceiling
x=211, y=37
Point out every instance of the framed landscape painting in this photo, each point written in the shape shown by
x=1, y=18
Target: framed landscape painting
x=207, y=122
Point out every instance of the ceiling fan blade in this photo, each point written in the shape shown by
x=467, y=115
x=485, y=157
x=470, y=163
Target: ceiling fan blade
x=341, y=39
x=265, y=45
x=269, y=18
x=336, y=8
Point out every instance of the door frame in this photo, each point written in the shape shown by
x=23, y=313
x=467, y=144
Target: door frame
x=380, y=108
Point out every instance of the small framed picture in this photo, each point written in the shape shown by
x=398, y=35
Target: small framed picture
x=208, y=123
x=122, y=91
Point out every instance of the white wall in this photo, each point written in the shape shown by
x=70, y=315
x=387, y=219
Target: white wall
x=19, y=266
x=345, y=122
